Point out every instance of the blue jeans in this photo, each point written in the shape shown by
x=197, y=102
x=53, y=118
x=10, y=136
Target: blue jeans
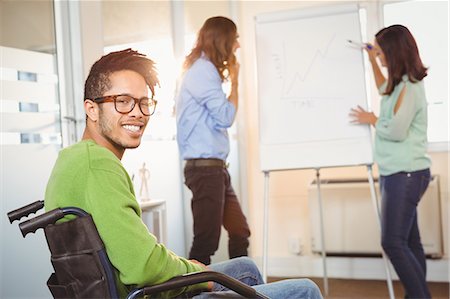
x=400, y=237
x=245, y=270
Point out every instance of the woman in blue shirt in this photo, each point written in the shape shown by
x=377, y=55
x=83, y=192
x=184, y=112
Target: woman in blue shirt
x=400, y=151
x=204, y=113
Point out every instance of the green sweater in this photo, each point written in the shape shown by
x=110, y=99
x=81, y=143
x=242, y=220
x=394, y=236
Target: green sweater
x=401, y=138
x=92, y=178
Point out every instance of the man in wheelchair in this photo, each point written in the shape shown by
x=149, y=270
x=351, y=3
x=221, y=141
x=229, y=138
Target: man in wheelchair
x=89, y=175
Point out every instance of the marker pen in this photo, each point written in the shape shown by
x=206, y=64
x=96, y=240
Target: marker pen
x=368, y=46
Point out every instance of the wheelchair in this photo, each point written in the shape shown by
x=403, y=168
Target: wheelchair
x=81, y=266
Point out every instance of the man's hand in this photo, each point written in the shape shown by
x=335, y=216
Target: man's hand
x=210, y=283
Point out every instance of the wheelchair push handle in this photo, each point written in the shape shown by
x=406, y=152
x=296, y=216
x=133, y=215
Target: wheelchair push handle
x=25, y=210
x=41, y=221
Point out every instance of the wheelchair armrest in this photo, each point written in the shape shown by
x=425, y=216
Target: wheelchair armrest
x=195, y=278
x=25, y=210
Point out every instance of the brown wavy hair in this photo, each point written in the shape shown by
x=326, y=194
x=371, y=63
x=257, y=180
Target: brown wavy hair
x=401, y=54
x=216, y=39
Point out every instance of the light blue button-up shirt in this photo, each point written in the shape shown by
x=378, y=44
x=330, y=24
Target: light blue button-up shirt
x=203, y=113
x=401, y=138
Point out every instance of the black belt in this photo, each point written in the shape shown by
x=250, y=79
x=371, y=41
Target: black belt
x=206, y=162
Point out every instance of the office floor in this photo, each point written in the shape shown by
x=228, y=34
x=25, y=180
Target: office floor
x=370, y=289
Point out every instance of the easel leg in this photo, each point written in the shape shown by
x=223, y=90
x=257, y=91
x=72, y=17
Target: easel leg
x=322, y=234
x=265, y=225
x=378, y=214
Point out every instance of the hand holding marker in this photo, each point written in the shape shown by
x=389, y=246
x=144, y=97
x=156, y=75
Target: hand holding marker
x=361, y=45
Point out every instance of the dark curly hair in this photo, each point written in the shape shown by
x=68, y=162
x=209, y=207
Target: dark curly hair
x=97, y=83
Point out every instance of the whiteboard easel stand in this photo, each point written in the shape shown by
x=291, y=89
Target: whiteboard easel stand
x=378, y=213
x=265, y=225
x=322, y=233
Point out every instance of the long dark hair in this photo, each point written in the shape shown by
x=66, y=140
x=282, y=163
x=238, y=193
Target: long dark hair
x=401, y=54
x=216, y=39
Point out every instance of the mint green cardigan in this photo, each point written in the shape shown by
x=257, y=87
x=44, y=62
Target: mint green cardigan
x=91, y=177
x=401, y=138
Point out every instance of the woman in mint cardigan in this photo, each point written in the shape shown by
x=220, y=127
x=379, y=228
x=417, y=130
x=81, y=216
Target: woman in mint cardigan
x=400, y=151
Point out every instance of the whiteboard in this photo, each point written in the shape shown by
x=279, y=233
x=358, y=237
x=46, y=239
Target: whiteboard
x=309, y=77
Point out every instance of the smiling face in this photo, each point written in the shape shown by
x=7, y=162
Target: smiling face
x=112, y=129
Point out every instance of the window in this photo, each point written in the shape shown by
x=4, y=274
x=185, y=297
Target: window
x=29, y=102
x=428, y=22
x=30, y=133
x=145, y=26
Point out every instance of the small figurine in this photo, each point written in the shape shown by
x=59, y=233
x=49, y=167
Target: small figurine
x=144, y=173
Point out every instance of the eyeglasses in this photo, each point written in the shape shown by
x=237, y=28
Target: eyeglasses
x=125, y=104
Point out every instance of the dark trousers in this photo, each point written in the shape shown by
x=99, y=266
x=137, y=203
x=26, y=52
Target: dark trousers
x=214, y=204
x=400, y=237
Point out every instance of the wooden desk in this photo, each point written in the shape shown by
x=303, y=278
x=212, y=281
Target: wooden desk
x=154, y=216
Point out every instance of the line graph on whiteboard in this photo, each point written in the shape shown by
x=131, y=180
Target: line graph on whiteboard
x=302, y=76
x=309, y=82
x=301, y=68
